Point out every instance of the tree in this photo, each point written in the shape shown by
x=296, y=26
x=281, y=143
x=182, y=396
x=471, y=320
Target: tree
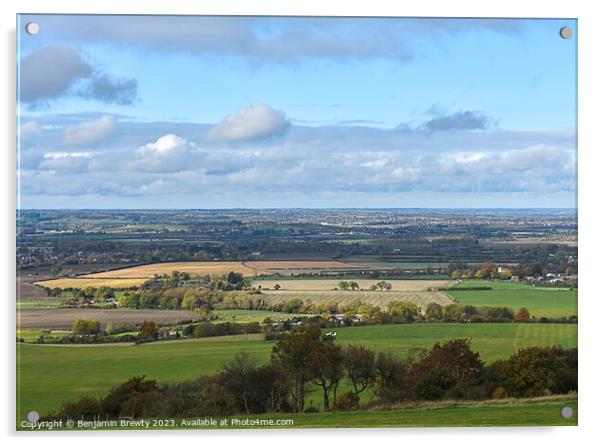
x=407, y=312
x=448, y=367
x=359, y=366
x=237, y=377
x=538, y=370
x=148, y=329
x=344, y=285
x=294, y=356
x=86, y=327
x=328, y=362
x=522, y=314
x=391, y=378
x=434, y=311
x=276, y=286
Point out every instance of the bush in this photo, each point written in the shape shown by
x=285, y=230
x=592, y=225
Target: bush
x=346, y=402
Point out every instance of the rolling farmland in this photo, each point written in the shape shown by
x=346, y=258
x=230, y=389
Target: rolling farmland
x=70, y=371
x=82, y=283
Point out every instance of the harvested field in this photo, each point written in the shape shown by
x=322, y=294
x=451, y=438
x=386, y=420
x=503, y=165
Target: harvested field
x=193, y=268
x=80, y=283
x=382, y=299
x=300, y=265
x=326, y=285
x=64, y=318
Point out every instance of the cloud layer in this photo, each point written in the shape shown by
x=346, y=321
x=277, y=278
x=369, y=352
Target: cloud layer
x=148, y=160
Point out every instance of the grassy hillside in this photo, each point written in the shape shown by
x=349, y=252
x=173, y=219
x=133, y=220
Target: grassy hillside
x=541, y=302
x=49, y=375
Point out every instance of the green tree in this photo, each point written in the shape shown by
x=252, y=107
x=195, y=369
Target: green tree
x=294, y=356
x=359, y=365
x=86, y=327
x=328, y=360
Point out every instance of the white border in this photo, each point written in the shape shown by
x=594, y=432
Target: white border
x=590, y=74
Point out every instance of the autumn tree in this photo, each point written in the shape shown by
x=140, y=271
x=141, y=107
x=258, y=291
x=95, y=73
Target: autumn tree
x=522, y=314
x=294, y=356
x=328, y=362
x=148, y=329
x=359, y=367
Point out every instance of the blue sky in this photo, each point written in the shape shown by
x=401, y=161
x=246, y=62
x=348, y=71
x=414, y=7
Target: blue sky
x=145, y=111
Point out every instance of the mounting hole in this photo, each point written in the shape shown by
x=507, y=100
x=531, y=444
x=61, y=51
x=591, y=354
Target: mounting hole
x=32, y=28
x=566, y=412
x=566, y=32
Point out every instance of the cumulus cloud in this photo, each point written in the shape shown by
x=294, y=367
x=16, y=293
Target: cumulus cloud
x=459, y=120
x=50, y=72
x=254, y=122
x=58, y=70
x=169, y=153
x=90, y=132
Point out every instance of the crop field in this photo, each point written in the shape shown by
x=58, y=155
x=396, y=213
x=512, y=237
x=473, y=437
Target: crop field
x=64, y=318
x=541, y=302
x=377, y=298
x=194, y=268
x=326, y=285
x=299, y=265
x=247, y=316
x=81, y=283
x=49, y=375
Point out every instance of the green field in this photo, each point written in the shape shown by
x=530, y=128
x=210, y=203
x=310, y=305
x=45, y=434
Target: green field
x=247, y=316
x=49, y=375
x=544, y=411
x=540, y=301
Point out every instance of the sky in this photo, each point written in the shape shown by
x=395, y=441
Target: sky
x=268, y=112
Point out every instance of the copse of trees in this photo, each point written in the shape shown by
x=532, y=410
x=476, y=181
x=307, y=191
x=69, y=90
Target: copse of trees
x=307, y=361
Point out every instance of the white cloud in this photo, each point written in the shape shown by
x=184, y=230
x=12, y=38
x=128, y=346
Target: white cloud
x=90, y=132
x=254, y=122
x=67, y=161
x=169, y=153
x=29, y=129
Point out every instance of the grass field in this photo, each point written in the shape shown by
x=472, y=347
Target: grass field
x=540, y=301
x=377, y=298
x=49, y=375
x=325, y=284
x=247, y=316
x=542, y=411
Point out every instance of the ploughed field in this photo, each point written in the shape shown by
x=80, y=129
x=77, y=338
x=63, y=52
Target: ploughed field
x=49, y=375
x=377, y=298
x=64, y=318
x=327, y=284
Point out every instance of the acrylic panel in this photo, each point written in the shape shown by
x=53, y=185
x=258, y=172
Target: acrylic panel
x=295, y=222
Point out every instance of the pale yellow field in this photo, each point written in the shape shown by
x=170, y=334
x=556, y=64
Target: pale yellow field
x=326, y=285
x=302, y=265
x=193, y=268
x=382, y=299
x=80, y=283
